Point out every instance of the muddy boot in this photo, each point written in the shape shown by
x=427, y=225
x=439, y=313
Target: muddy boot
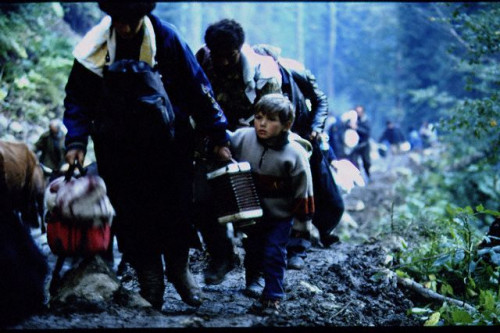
x=295, y=262
x=179, y=274
x=254, y=285
x=151, y=282
x=329, y=239
x=217, y=269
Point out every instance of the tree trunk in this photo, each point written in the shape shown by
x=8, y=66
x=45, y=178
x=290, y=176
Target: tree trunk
x=332, y=42
x=300, y=33
x=196, y=28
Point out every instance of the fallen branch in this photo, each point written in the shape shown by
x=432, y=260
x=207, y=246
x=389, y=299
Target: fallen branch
x=427, y=293
x=343, y=308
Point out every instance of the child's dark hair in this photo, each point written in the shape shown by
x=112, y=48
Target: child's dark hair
x=225, y=34
x=272, y=104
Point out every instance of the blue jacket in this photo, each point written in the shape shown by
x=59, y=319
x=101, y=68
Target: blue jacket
x=186, y=84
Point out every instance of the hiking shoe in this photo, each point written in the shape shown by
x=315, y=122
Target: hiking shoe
x=265, y=307
x=295, y=262
x=186, y=286
x=216, y=271
x=254, y=287
x=329, y=240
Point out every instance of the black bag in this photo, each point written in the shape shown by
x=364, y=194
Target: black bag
x=135, y=108
x=329, y=204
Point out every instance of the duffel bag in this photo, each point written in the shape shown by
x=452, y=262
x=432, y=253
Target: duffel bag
x=72, y=239
x=79, y=215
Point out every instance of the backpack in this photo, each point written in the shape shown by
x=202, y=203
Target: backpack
x=135, y=108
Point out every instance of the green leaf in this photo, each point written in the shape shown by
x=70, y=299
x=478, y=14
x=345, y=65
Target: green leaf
x=433, y=319
x=487, y=300
x=3, y=94
x=446, y=289
x=460, y=316
x=401, y=274
x=471, y=292
x=441, y=261
x=492, y=212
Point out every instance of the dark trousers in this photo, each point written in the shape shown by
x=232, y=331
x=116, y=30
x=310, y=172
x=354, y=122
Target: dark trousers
x=218, y=244
x=364, y=153
x=298, y=246
x=265, y=251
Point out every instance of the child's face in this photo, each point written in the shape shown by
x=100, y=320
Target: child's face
x=268, y=126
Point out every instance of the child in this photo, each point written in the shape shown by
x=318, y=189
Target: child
x=283, y=180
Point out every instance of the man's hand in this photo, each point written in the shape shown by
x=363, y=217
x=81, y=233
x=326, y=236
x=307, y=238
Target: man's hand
x=75, y=154
x=223, y=153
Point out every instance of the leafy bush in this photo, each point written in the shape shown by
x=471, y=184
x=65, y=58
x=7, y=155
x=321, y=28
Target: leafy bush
x=36, y=53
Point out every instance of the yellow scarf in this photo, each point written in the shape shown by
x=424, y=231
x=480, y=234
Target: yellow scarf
x=92, y=49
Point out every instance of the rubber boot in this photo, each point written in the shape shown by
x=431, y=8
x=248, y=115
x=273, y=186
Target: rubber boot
x=179, y=274
x=151, y=281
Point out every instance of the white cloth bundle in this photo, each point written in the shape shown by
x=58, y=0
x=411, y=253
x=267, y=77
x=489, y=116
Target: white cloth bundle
x=80, y=199
x=347, y=175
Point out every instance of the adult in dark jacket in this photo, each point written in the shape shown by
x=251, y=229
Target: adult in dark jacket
x=392, y=136
x=362, y=150
x=299, y=84
x=150, y=187
x=239, y=77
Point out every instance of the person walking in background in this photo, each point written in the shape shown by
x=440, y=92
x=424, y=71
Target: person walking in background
x=50, y=146
x=362, y=150
x=149, y=183
x=428, y=134
x=415, y=139
x=284, y=183
x=392, y=137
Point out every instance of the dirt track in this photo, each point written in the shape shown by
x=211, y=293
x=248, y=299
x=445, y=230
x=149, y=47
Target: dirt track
x=339, y=287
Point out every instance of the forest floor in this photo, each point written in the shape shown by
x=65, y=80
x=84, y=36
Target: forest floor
x=338, y=287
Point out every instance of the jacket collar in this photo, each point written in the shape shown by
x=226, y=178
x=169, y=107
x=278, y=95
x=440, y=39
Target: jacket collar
x=101, y=40
x=257, y=71
x=276, y=143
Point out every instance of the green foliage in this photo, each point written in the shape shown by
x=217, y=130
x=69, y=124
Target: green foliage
x=477, y=118
x=444, y=257
x=36, y=58
x=441, y=250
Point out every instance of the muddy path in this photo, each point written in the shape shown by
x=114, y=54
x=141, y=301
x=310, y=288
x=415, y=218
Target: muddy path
x=340, y=286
